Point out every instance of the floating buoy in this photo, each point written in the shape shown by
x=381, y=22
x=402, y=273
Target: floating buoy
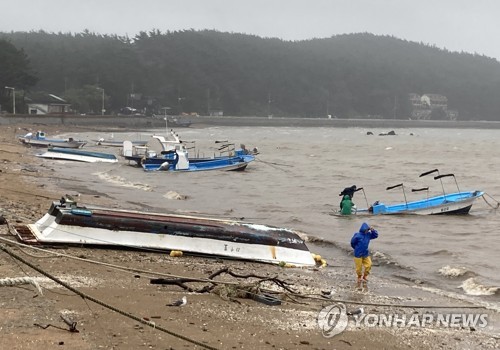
x=176, y=253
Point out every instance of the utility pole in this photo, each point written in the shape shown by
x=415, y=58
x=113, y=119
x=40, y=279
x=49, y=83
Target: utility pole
x=208, y=101
x=102, y=107
x=269, y=105
x=395, y=106
x=13, y=98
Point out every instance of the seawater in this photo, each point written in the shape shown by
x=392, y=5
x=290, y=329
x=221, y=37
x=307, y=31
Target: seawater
x=296, y=180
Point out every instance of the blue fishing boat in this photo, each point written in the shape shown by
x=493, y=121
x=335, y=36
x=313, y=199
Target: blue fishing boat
x=448, y=203
x=181, y=162
x=78, y=155
x=174, y=156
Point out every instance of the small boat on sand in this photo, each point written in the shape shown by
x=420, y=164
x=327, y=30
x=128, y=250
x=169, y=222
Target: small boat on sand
x=68, y=223
x=78, y=155
x=39, y=139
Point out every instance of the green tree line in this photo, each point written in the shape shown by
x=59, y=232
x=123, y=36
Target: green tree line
x=347, y=76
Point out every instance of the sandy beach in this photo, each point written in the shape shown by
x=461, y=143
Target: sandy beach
x=132, y=312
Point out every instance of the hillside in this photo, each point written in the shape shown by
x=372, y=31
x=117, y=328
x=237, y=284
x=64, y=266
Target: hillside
x=356, y=75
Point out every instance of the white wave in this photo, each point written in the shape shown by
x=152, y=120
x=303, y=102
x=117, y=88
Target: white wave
x=456, y=296
x=449, y=271
x=471, y=287
x=118, y=180
x=174, y=195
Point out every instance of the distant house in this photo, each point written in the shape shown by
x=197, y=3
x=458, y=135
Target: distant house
x=216, y=113
x=47, y=104
x=423, y=106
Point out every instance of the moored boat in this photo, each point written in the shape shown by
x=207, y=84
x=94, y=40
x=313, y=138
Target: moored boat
x=68, y=223
x=448, y=203
x=39, y=139
x=115, y=143
x=175, y=157
x=453, y=203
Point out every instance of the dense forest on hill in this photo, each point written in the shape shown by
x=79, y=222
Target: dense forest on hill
x=347, y=76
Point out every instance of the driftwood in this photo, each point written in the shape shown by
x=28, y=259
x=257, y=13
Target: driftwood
x=225, y=290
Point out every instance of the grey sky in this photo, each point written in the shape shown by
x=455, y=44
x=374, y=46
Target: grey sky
x=457, y=25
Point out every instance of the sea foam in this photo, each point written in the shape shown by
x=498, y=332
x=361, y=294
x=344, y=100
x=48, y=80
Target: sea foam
x=471, y=287
x=449, y=271
x=118, y=180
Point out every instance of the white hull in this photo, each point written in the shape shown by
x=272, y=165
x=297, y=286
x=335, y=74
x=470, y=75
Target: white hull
x=46, y=230
x=76, y=157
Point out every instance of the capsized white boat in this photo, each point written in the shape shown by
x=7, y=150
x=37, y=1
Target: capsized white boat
x=78, y=155
x=68, y=223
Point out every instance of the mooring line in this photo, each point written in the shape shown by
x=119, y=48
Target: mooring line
x=97, y=301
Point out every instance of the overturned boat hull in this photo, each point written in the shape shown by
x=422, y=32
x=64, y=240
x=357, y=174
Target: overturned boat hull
x=71, y=224
x=78, y=155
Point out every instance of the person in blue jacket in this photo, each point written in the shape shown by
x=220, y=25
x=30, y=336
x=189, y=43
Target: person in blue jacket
x=359, y=243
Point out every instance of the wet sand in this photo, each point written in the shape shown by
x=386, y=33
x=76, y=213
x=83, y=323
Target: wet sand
x=208, y=318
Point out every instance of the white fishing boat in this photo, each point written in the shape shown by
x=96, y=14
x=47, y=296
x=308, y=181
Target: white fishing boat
x=39, y=139
x=78, y=155
x=68, y=223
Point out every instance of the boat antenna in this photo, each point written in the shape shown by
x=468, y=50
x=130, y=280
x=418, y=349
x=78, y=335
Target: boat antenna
x=404, y=194
x=435, y=171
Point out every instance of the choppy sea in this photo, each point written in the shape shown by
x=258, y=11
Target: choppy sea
x=296, y=180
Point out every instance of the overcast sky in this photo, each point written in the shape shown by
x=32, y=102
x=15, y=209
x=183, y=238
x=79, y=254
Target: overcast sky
x=457, y=25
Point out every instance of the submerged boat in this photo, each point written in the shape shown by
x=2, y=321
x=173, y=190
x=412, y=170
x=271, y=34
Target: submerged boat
x=78, y=155
x=448, y=203
x=39, y=139
x=68, y=223
x=453, y=203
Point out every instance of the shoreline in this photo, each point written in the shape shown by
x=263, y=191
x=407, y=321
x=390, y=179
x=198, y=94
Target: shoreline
x=208, y=317
x=138, y=122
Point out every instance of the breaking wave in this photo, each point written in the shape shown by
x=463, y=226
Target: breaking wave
x=118, y=180
x=174, y=195
x=471, y=287
x=450, y=271
x=442, y=252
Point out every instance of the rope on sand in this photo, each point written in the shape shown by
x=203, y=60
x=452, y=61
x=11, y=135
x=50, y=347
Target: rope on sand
x=20, y=280
x=97, y=301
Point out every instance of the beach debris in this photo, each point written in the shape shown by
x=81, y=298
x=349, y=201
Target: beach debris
x=69, y=322
x=266, y=299
x=180, y=302
x=319, y=260
x=231, y=291
x=176, y=253
x=359, y=311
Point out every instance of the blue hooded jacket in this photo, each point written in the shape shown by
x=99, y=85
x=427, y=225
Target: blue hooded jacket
x=361, y=240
